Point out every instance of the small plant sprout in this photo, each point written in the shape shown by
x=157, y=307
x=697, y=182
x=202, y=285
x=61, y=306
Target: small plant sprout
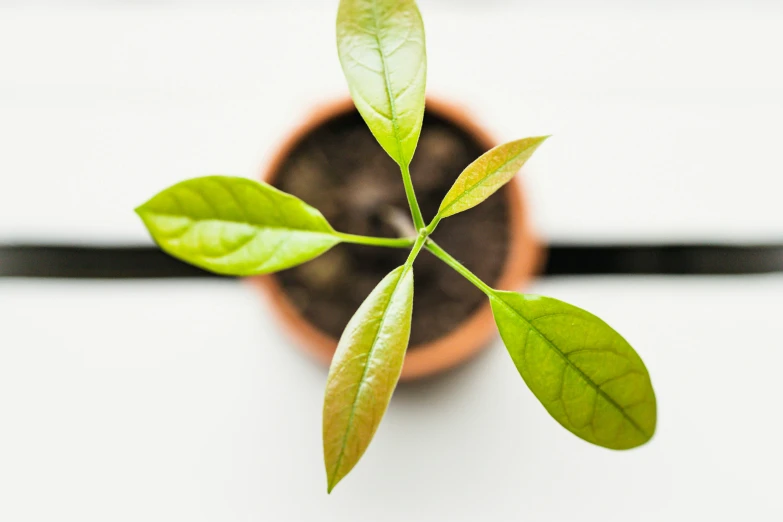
x=584, y=373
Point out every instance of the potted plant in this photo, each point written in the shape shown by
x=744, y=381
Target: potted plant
x=584, y=373
x=334, y=163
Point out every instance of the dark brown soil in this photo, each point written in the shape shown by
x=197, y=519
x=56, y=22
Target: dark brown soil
x=341, y=170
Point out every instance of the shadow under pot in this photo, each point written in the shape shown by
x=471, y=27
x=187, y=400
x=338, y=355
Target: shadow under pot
x=335, y=164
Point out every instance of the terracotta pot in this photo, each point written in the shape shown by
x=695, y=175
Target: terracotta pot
x=524, y=258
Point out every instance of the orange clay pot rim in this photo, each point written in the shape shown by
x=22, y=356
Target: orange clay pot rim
x=522, y=260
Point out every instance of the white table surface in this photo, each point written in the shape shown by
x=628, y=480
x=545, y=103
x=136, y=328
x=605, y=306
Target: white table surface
x=183, y=401
x=169, y=401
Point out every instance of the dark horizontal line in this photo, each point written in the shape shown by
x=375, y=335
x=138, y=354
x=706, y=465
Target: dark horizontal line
x=40, y=261
x=664, y=259
x=93, y=263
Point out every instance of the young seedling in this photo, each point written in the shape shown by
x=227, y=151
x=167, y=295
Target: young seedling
x=583, y=372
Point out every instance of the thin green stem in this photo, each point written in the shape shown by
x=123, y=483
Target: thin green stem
x=402, y=242
x=417, y=246
x=418, y=220
x=459, y=267
x=433, y=224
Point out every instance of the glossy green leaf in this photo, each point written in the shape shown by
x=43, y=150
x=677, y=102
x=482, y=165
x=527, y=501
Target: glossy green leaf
x=236, y=226
x=382, y=52
x=584, y=373
x=365, y=371
x=487, y=174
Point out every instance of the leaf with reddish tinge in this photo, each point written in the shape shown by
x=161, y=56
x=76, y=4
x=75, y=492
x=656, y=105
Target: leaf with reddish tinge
x=487, y=174
x=365, y=371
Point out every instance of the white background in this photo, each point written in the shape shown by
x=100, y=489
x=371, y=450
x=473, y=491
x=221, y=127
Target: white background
x=167, y=401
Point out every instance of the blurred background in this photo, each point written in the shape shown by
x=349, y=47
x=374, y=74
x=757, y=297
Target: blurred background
x=184, y=400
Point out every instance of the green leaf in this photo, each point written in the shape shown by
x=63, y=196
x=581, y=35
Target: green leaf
x=236, y=226
x=584, y=373
x=382, y=52
x=487, y=174
x=365, y=371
